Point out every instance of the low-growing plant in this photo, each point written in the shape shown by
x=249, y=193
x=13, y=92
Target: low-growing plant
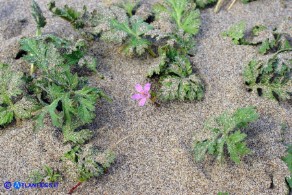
x=271, y=80
x=46, y=174
x=14, y=103
x=226, y=135
x=267, y=40
x=120, y=24
x=236, y=33
x=89, y=162
x=288, y=160
x=177, y=80
x=115, y=24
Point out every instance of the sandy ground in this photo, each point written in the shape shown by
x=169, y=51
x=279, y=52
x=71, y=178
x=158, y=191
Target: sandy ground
x=157, y=158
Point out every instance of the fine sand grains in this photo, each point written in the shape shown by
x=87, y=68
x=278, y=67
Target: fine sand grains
x=157, y=158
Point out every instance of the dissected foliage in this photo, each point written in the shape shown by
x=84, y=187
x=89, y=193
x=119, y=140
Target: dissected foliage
x=182, y=13
x=46, y=174
x=288, y=160
x=38, y=17
x=120, y=24
x=176, y=77
x=226, y=135
x=114, y=24
x=135, y=28
x=65, y=96
x=269, y=40
x=14, y=104
x=178, y=82
x=90, y=162
x=203, y=3
x=68, y=13
x=271, y=80
x=236, y=33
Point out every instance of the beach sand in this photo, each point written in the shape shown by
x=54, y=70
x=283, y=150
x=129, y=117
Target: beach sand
x=156, y=157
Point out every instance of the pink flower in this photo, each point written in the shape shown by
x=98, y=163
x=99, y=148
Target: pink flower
x=143, y=93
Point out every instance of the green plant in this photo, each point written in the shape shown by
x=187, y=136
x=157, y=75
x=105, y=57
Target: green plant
x=271, y=80
x=223, y=193
x=69, y=14
x=183, y=13
x=89, y=162
x=14, y=104
x=236, y=33
x=135, y=28
x=129, y=6
x=38, y=17
x=178, y=82
x=203, y=3
x=226, y=134
x=288, y=160
x=47, y=174
x=268, y=40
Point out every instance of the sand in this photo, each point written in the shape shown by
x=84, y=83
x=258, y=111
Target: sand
x=156, y=158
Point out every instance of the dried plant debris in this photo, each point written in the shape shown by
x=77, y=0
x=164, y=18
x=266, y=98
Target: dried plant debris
x=14, y=104
x=89, y=161
x=271, y=80
x=226, y=135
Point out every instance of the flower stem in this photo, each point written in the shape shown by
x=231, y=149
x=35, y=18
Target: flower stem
x=75, y=187
x=38, y=32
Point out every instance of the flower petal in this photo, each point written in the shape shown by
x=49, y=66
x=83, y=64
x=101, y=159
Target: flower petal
x=147, y=87
x=142, y=101
x=137, y=96
x=139, y=88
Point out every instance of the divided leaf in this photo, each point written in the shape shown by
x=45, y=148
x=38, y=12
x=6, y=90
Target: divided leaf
x=183, y=14
x=67, y=13
x=271, y=80
x=135, y=29
x=12, y=103
x=203, y=3
x=236, y=33
x=90, y=162
x=226, y=134
x=38, y=16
